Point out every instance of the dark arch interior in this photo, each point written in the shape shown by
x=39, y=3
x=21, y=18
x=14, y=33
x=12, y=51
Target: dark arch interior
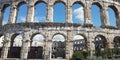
x=58, y=47
x=116, y=41
x=100, y=42
x=36, y=51
x=2, y=44
x=14, y=51
x=79, y=44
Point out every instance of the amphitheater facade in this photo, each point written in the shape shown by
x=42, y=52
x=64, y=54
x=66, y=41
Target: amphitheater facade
x=48, y=29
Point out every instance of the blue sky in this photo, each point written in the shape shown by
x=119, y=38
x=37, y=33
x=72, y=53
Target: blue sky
x=59, y=14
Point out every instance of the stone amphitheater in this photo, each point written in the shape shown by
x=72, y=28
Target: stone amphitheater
x=49, y=29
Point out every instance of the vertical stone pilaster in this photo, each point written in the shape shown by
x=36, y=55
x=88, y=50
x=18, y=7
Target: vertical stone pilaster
x=25, y=46
x=1, y=17
x=105, y=17
x=90, y=43
x=118, y=20
x=69, y=45
x=49, y=17
x=13, y=14
x=6, y=47
x=47, y=50
x=69, y=14
x=47, y=47
x=30, y=14
x=87, y=14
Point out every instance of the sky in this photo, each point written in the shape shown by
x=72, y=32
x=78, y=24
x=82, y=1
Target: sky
x=59, y=15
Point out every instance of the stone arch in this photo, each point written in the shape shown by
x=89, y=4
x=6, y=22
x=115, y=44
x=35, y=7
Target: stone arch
x=102, y=39
x=79, y=2
x=98, y=4
x=15, y=50
x=36, y=46
x=77, y=10
x=96, y=9
x=116, y=16
x=21, y=3
x=5, y=11
x=115, y=9
x=116, y=41
x=58, y=46
x=60, y=34
x=21, y=18
x=57, y=13
x=4, y=6
x=63, y=2
x=37, y=2
x=40, y=12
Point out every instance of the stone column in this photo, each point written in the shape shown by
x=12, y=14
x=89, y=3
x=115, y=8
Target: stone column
x=49, y=17
x=6, y=46
x=30, y=14
x=105, y=17
x=1, y=17
x=47, y=47
x=118, y=20
x=25, y=45
x=69, y=45
x=87, y=14
x=69, y=14
x=13, y=14
x=90, y=43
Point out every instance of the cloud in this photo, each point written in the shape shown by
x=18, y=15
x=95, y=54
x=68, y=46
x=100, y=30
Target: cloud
x=78, y=37
x=4, y=22
x=58, y=38
x=22, y=18
x=79, y=14
x=40, y=18
x=38, y=38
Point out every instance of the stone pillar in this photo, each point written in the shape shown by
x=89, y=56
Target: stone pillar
x=49, y=17
x=13, y=14
x=105, y=17
x=69, y=45
x=118, y=20
x=47, y=47
x=30, y=14
x=47, y=50
x=87, y=14
x=69, y=14
x=1, y=17
x=25, y=45
x=90, y=43
x=6, y=46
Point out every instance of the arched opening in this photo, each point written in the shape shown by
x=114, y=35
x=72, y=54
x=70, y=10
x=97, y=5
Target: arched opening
x=79, y=43
x=36, y=47
x=79, y=47
x=100, y=44
x=116, y=42
x=6, y=13
x=1, y=44
x=116, y=49
x=58, y=46
x=113, y=15
x=22, y=12
x=59, y=12
x=15, y=47
x=40, y=12
x=78, y=13
x=96, y=10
